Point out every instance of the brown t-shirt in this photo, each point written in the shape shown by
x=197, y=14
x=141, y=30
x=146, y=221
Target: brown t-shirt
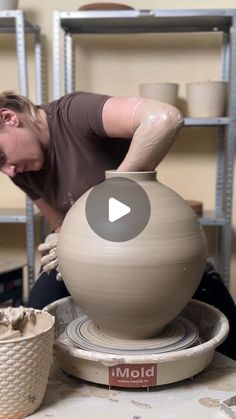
x=79, y=152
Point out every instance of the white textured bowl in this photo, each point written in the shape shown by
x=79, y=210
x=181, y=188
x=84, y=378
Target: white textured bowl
x=24, y=369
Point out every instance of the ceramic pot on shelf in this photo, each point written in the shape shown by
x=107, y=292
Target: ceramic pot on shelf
x=206, y=99
x=163, y=92
x=134, y=288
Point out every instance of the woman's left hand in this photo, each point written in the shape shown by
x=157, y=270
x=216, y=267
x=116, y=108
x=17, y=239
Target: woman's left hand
x=48, y=249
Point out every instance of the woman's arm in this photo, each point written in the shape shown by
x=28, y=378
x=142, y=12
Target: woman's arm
x=53, y=217
x=151, y=125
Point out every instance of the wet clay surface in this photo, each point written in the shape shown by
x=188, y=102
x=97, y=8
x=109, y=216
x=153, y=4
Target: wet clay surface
x=13, y=321
x=22, y=322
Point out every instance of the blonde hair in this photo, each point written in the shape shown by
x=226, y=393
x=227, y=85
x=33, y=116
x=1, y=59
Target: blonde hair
x=21, y=105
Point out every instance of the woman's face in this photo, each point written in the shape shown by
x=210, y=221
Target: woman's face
x=20, y=150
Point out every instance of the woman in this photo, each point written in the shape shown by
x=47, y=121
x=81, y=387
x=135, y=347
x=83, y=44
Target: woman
x=58, y=151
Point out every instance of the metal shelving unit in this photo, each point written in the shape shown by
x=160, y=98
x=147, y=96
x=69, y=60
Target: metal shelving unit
x=169, y=21
x=14, y=22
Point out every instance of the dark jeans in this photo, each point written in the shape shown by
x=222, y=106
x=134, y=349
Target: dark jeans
x=211, y=290
x=46, y=290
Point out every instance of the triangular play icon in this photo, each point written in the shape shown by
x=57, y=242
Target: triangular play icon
x=117, y=210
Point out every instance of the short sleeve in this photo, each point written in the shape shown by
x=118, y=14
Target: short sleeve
x=84, y=113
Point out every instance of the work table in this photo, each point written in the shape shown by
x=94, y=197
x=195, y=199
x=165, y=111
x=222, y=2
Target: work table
x=199, y=397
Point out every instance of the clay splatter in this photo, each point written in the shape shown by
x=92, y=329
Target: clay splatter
x=221, y=378
x=142, y=405
x=209, y=402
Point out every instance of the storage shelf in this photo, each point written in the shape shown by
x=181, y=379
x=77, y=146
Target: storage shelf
x=169, y=21
x=11, y=285
x=14, y=22
x=14, y=215
x=8, y=22
x=146, y=21
x=194, y=122
x=209, y=219
x=8, y=265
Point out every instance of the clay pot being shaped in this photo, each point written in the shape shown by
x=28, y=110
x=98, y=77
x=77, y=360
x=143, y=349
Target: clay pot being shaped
x=134, y=288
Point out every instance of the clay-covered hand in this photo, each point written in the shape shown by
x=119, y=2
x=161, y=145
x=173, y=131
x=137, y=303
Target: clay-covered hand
x=49, y=259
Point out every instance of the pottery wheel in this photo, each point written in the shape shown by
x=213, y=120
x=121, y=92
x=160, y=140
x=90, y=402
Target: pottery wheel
x=179, y=334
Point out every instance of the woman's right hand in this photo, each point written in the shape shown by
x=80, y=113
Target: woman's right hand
x=151, y=125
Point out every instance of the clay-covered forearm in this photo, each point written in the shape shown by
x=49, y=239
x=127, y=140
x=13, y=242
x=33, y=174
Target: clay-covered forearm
x=156, y=125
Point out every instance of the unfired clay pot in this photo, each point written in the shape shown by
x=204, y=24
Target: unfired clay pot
x=164, y=92
x=206, y=99
x=133, y=289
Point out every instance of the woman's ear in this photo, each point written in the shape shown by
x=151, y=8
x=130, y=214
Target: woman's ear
x=9, y=117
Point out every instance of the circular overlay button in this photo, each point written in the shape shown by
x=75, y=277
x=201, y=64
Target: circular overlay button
x=118, y=209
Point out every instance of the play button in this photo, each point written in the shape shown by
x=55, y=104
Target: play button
x=118, y=209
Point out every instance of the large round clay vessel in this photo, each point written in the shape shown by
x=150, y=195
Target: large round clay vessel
x=133, y=289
